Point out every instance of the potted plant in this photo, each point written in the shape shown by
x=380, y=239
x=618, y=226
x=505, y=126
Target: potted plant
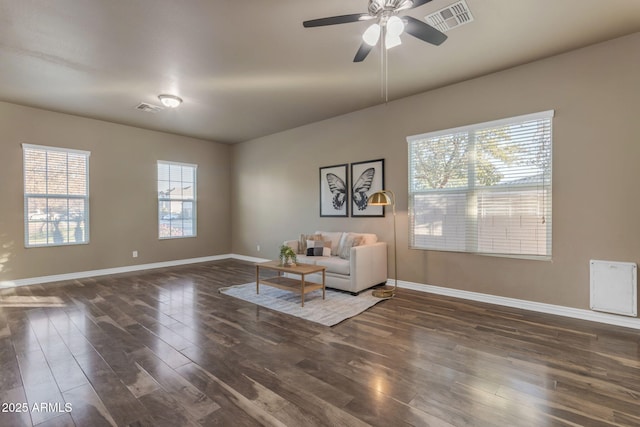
x=287, y=256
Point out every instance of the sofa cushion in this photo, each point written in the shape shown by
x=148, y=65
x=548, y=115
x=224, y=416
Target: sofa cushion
x=348, y=241
x=335, y=265
x=307, y=259
x=333, y=237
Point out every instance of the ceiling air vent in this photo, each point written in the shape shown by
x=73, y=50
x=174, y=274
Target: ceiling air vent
x=148, y=108
x=452, y=16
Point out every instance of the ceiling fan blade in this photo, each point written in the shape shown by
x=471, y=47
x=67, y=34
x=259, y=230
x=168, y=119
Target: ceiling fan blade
x=423, y=31
x=418, y=3
x=333, y=20
x=363, y=51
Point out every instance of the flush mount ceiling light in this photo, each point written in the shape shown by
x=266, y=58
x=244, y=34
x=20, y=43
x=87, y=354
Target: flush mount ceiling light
x=170, y=101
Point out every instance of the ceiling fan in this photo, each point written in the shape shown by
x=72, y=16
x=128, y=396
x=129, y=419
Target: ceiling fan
x=388, y=25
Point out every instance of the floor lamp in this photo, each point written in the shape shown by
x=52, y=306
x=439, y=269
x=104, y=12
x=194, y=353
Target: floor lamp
x=386, y=198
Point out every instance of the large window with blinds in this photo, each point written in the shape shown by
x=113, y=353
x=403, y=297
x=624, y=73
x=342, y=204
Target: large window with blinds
x=56, y=196
x=483, y=188
x=176, y=200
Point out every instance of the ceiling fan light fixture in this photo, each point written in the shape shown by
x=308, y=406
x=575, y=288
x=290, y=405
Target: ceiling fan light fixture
x=395, y=26
x=372, y=35
x=170, y=101
x=392, y=41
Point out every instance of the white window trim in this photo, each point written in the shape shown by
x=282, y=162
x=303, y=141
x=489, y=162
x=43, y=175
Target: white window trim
x=26, y=195
x=59, y=149
x=194, y=200
x=548, y=114
x=493, y=123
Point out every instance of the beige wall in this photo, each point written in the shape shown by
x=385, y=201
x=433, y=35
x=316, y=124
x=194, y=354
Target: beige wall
x=595, y=93
x=123, y=206
x=272, y=183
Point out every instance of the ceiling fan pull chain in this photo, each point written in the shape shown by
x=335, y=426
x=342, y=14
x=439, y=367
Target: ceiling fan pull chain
x=385, y=63
x=386, y=75
x=382, y=63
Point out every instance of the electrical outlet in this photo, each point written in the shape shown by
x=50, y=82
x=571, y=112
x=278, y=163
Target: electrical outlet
x=258, y=248
x=135, y=254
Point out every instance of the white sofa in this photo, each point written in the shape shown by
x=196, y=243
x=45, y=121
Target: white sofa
x=361, y=266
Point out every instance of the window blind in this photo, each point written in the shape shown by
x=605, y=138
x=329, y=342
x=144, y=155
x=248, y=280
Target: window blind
x=176, y=200
x=56, y=195
x=483, y=188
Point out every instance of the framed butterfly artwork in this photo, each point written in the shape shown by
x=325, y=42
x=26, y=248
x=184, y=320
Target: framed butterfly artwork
x=366, y=178
x=334, y=191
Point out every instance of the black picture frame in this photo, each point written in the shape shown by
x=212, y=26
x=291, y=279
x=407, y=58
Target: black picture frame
x=334, y=191
x=367, y=178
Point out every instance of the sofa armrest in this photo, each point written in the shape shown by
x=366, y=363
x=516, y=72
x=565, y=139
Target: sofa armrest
x=293, y=244
x=369, y=265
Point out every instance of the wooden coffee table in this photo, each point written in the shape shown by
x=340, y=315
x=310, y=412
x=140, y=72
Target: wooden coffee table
x=287, y=283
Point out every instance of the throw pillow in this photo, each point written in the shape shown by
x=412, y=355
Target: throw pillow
x=302, y=241
x=314, y=251
x=347, y=241
x=318, y=248
x=333, y=237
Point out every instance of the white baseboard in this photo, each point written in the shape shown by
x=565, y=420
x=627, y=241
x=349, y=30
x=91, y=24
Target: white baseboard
x=576, y=313
x=248, y=258
x=115, y=270
x=593, y=316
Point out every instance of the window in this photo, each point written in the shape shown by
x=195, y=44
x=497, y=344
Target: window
x=56, y=196
x=483, y=188
x=176, y=200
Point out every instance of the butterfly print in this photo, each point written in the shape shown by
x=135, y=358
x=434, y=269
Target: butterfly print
x=338, y=189
x=360, y=188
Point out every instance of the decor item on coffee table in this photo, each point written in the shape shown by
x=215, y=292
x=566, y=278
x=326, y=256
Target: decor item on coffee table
x=288, y=256
x=385, y=198
x=288, y=283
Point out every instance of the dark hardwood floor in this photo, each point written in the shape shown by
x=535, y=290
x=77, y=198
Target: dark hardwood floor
x=164, y=348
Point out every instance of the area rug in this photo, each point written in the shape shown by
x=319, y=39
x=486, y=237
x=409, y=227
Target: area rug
x=336, y=307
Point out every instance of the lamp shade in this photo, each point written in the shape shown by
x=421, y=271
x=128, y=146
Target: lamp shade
x=395, y=26
x=371, y=35
x=379, y=198
x=392, y=41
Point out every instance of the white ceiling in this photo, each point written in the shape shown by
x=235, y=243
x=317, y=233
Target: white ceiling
x=248, y=68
